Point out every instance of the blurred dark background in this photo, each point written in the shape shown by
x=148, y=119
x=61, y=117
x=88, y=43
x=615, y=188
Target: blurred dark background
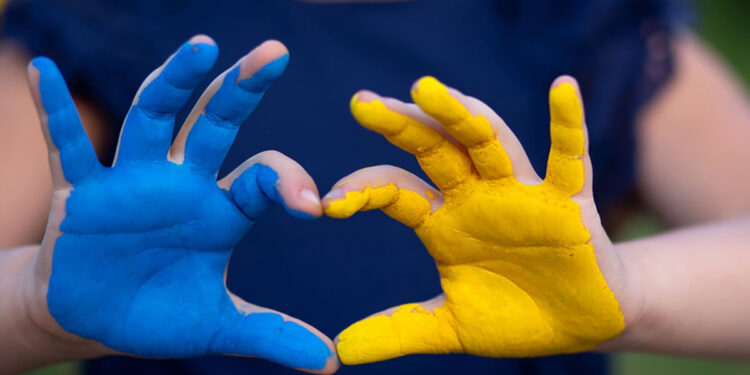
x=723, y=24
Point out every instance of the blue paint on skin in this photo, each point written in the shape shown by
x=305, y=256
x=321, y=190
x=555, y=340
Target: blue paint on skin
x=216, y=128
x=77, y=156
x=149, y=124
x=256, y=187
x=140, y=264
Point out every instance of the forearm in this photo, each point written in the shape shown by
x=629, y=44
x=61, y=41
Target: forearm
x=694, y=291
x=29, y=338
x=21, y=346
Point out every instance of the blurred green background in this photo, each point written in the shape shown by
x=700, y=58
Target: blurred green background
x=722, y=24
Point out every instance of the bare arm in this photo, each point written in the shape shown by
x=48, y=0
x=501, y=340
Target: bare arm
x=693, y=286
x=29, y=339
x=693, y=152
x=693, y=168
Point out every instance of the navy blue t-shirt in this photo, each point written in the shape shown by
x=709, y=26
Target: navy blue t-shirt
x=331, y=273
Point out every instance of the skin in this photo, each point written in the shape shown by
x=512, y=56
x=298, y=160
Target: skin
x=711, y=259
x=671, y=315
x=77, y=316
x=522, y=261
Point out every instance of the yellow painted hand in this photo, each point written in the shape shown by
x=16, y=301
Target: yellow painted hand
x=519, y=258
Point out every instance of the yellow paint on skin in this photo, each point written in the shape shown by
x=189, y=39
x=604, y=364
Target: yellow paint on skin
x=519, y=273
x=403, y=205
x=475, y=132
x=430, y=194
x=405, y=325
x=443, y=162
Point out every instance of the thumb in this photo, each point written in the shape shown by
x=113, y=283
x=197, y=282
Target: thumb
x=254, y=331
x=412, y=328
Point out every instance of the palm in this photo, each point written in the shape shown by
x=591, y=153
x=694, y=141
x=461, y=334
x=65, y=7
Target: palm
x=161, y=241
x=522, y=252
x=516, y=260
x=136, y=253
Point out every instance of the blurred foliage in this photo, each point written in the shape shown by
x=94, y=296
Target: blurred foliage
x=722, y=23
x=69, y=368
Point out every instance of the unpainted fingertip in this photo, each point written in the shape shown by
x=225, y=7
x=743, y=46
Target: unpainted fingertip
x=32, y=72
x=310, y=196
x=202, y=39
x=364, y=96
x=312, y=213
x=333, y=195
x=564, y=79
x=262, y=57
x=305, y=205
x=274, y=45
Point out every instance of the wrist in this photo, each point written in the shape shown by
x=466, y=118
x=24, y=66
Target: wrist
x=31, y=336
x=631, y=298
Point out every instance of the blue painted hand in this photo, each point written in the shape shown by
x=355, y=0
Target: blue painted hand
x=135, y=255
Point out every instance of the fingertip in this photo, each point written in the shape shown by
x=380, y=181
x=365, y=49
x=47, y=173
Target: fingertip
x=272, y=49
x=565, y=102
x=287, y=341
x=293, y=192
x=379, y=114
x=205, y=47
x=360, y=101
x=425, y=82
x=41, y=66
x=186, y=68
x=202, y=45
x=48, y=85
x=353, y=102
x=312, y=202
x=306, y=205
x=202, y=39
x=33, y=73
x=366, y=341
x=333, y=195
x=364, y=96
x=342, y=204
x=262, y=66
x=332, y=362
x=564, y=89
x=41, y=62
x=564, y=79
x=433, y=97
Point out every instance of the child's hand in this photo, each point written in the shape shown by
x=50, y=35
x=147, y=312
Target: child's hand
x=519, y=258
x=134, y=256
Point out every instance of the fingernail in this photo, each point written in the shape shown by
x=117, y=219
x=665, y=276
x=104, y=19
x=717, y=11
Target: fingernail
x=309, y=196
x=334, y=194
